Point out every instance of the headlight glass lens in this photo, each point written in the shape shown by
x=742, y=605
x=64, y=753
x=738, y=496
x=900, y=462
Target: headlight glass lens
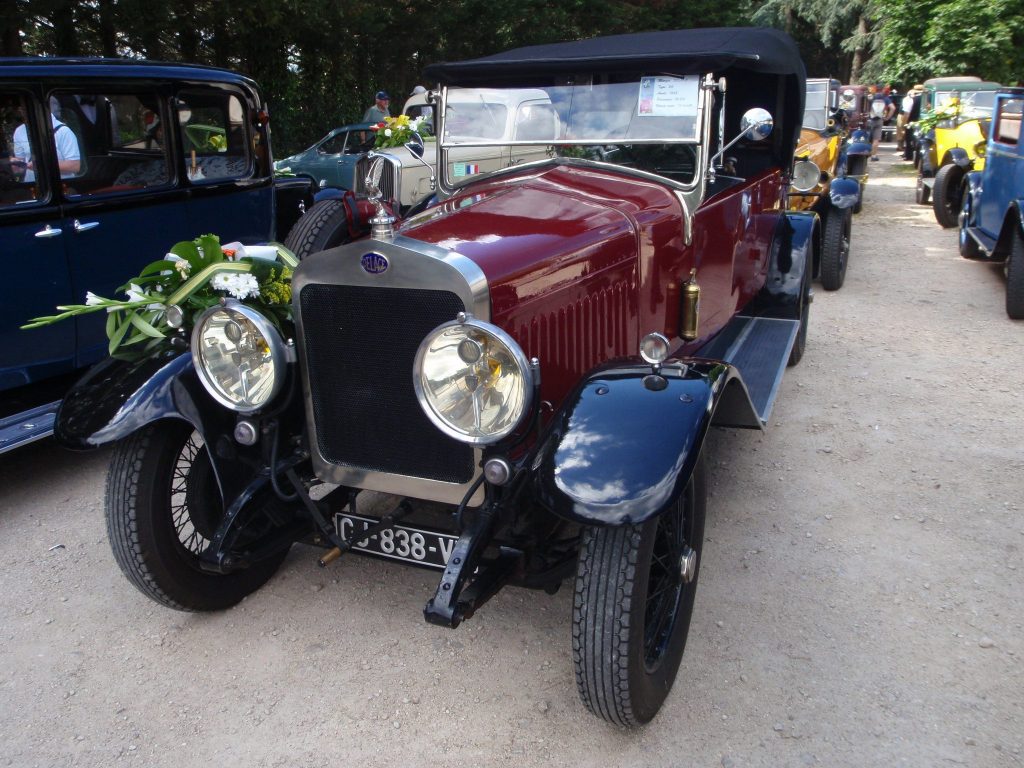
x=239, y=356
x=473, y=381
x=806, y=175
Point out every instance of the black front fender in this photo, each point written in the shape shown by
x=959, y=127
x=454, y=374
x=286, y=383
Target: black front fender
x=118, y=397
x=625, y=443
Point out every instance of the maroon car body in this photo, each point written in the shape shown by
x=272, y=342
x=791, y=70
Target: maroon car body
x=528, y=363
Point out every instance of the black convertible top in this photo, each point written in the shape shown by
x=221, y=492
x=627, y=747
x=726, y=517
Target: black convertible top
x=762, y=65
x=685, y=51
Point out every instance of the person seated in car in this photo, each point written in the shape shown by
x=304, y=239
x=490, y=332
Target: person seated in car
x=69, y=160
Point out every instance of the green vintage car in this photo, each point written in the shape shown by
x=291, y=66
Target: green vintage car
x=955, y=115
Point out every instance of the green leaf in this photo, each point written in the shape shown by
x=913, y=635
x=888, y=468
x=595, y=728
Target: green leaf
x=189, y=251
x=118, y=335
x=210, y=247
x=144, y=327
x=157, y=267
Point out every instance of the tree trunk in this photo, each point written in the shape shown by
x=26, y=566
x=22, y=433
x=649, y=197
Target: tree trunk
x=858, y=52
x=64, y=32
x=107, y=29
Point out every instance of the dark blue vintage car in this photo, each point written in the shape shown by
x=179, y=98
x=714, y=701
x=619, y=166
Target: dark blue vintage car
x=992, y=203
x=331, y=162
x=104, y=164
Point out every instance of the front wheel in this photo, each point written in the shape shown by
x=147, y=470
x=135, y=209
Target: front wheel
x=635, y=587
x=324, y=225
x=946, y=195
x=835, y=248
x=968, y=246
x=1015, y=279
x=162, y=508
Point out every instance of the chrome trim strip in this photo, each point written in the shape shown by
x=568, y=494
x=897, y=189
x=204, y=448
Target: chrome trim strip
x=414, y=265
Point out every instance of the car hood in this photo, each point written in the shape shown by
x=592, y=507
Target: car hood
x=537, y=230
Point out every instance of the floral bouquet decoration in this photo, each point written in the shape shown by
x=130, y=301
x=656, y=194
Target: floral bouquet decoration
x=169, y=294
x=396, y=131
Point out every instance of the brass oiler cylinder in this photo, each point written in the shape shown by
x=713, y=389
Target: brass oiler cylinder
x=691, y=307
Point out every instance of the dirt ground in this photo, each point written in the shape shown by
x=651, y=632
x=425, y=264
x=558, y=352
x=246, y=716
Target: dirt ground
x=861, y=598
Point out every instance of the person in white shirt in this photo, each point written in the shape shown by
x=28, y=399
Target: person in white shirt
x=69, y=159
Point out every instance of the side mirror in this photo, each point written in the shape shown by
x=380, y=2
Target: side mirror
x=756, y=124
x=415, y=145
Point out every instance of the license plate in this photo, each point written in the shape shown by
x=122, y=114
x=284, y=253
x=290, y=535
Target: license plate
x=411, y=545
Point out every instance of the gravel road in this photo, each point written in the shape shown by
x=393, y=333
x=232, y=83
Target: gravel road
x=861, y=596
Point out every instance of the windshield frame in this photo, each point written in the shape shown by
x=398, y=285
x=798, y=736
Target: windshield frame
x=699, y=142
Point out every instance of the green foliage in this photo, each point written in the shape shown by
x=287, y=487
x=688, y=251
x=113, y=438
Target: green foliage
x=320, y=63
x=937, y=38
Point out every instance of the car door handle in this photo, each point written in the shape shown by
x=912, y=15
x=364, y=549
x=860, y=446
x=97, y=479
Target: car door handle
x=48, y=231
x=80, y=227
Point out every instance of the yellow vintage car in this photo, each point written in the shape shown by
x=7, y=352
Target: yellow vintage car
x=821, y=178
x=955, y=117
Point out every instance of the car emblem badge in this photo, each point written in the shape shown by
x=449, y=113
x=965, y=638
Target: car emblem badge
x=374, y=263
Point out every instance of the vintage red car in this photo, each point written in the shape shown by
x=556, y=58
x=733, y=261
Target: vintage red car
x=528, y=363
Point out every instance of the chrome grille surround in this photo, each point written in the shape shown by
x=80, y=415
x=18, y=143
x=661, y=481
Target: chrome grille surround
x=412, y=265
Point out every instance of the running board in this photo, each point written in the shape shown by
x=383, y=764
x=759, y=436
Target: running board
x=757, y=347
x=27, y=427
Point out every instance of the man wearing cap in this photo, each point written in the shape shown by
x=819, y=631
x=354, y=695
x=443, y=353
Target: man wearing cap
x=379, y=110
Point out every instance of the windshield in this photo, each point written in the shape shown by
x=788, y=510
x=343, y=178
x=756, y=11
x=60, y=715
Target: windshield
x=650, y=109
x=972, y=103
x=816, y=106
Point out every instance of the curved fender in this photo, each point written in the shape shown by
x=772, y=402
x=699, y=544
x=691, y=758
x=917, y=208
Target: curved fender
x=844, y=192
x=794, y=250
x=859, y=146
x=959, y=156
x=625, y=443
x=328, y=193
x=117, y=397
x=1014, y=215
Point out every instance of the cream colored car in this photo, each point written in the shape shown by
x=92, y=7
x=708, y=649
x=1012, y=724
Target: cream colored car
x=491, y=115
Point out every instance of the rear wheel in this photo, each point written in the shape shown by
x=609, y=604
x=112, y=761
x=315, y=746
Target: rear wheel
x=162, y=507
x=922, y=192
x=324, y=225
x=946, y=194
x=968, y=246
x=635, y=587
x=835, y=248
x=1015, y=279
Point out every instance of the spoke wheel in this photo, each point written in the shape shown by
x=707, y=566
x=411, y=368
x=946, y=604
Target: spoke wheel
x=634, y=595
x=162, y=508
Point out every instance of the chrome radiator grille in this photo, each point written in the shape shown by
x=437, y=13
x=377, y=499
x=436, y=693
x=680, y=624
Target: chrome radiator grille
x=359, y=344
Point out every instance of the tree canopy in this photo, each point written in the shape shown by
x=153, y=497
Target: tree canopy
x=321, y=62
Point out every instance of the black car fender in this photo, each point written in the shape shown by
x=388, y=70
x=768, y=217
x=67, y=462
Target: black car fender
x=623, y=446
x=958, y=156
x=118, y=397
x=844, y=192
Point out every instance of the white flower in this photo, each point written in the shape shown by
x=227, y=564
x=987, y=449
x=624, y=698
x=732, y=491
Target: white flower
x=135, y=293
x=180, y=264
x=239, y=285
x=387, y=132
x=92, y=300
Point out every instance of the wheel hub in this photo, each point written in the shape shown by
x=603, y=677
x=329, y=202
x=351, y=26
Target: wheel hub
x=687, y=565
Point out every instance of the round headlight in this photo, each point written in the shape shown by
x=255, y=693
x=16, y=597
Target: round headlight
x=473, y=381
x=806, y=175
x=239, y=355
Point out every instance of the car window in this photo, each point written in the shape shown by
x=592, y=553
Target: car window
x=425, y=111
x=536, y=122
x=1008, y=124
x=815, y=106
x=215, y=135
x=19, y=146
x=334, y=145
x=121, y=141
x=476, y=121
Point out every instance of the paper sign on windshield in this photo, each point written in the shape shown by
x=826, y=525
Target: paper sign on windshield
x=668, y=96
